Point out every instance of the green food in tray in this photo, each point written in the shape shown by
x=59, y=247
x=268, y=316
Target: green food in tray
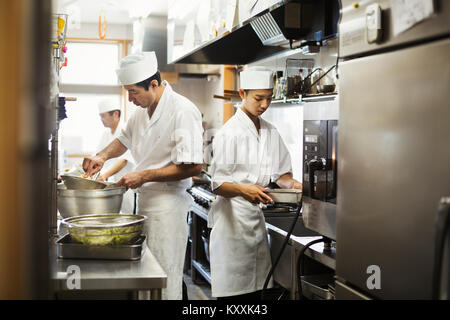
x=107, y=236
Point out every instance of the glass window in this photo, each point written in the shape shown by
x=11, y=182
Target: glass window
x=80, y=132
x=91, y=63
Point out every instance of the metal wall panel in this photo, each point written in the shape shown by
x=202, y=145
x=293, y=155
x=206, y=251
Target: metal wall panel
x=394, y=166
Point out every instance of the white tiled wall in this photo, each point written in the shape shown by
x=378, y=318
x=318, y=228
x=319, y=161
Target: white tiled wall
x=289, y=122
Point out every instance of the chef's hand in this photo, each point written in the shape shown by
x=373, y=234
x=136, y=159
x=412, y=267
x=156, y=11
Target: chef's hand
x=296, y=185
x=101, y=178
x=255, y=194
x=92, y=165
x=287, y=182
x=131, y=180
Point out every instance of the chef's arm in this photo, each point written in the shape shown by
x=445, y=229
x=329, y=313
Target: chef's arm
x=287, y=182
x=252, y=193
x=229, y=190
x=119, y=165
x=113, y=150
x=92, y=165
x=173, y=172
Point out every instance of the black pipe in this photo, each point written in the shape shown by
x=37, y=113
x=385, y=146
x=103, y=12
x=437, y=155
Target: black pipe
x=286, y=240
x=442, y=229
x=299, y=265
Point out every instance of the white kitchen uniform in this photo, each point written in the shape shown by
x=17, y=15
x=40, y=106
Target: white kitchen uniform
x=173, y=135
x=239, y=249
x=106, y=138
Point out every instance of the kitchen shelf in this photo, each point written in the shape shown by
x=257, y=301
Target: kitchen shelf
x=297, y=101
x=320, y=97
x=307, y=98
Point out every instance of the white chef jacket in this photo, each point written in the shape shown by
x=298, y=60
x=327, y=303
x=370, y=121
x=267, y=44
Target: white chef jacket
x=239, y=249
x=106, y=138
x=173, y=135
x=243, y=156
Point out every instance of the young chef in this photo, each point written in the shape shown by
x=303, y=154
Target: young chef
x=165, y=139
x=109, y=113
x=248, y=153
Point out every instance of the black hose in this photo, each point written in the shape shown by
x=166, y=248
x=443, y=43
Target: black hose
x=299, y=269
x=286, y=240
x=442, y=229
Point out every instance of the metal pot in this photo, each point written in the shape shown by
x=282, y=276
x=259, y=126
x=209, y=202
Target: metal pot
x=325, y=88
x=78, y=202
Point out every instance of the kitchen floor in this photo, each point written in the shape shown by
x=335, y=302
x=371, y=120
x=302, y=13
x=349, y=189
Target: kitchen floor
x=201, y=290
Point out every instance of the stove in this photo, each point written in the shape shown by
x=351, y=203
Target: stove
x=202, y=195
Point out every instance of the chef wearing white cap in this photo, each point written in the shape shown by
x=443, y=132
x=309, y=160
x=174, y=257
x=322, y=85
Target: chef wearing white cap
x=165, y=139
x=113, y=170
x=248, y=154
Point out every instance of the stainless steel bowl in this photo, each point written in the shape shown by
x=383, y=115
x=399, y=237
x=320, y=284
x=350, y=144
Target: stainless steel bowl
x=287, y=196
x=105, y=229
x=77, y=202
x=79, y=183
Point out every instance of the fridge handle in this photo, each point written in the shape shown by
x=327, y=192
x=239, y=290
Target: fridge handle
x=313, y=166
x=442, y=230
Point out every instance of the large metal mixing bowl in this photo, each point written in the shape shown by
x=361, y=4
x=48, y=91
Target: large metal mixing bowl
x=78, y=202
x=79, y=183
x=105, y=229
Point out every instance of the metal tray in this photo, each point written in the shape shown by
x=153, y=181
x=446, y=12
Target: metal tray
x=288, y=196
x=66, y=248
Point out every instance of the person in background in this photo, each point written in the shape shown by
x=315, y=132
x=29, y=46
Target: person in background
x=248, y=154
x=113, y=170
x=165, y=138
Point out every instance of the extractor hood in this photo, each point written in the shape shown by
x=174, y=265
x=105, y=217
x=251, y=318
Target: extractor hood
x=155, y=39
x=269, y=32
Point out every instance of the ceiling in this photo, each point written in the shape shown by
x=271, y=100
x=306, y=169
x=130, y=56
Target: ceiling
x=114, y=11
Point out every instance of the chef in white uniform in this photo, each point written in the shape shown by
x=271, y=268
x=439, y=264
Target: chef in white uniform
x=248, y=153
x=165, y=139
x=114, y=169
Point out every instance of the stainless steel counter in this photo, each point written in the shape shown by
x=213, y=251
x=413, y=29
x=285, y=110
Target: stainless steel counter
x=315, y=252
x=285, y=273
x=145, y=276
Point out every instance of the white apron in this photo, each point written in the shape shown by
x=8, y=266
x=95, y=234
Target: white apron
x=172, y=135
x=167, y=233
x=239, y=248
x=106, y=139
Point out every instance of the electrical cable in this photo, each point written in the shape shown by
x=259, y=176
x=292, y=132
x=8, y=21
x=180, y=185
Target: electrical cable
x=299, y=269
x=286, y=240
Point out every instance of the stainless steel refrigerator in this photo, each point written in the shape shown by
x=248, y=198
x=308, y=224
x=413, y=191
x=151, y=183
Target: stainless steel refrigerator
x=394, y=147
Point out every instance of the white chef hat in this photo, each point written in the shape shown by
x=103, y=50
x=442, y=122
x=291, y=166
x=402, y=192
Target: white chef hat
x=107, y=105
x=256, y=78
x=137, y=67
